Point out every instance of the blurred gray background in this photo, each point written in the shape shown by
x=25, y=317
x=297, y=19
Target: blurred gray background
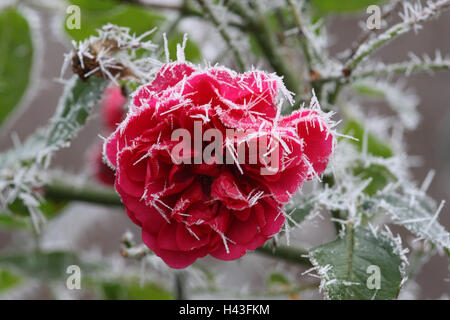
x=431, y=141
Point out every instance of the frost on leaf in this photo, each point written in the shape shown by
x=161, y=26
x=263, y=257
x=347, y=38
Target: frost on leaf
x=22, y=168
x=344, y=265
x=110, y=55
x=417, y=212
x=403, y=102
x=414, y=14
x=73, y=110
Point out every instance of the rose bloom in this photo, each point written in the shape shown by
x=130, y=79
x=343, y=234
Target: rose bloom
x=187, y=211
x=99, y=170
x=112, y=111
x=112, y=107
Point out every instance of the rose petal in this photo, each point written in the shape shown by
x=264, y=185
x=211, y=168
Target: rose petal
x=187, y=241
x=174, y=259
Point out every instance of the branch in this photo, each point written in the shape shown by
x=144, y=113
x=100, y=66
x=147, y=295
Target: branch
x=415, y=65
x=303, y=41
x=289, y=254
x=224, y=33
x=156, y=5
x=185, y=10
x=58, y=190
x=264, y=36
x=388, y=11
x=411, y=16
x=180, y=285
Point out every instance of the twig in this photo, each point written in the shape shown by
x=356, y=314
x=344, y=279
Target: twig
x=185, y=10
x=58, y=190
x=180, y=284
x=263, y=35
x=286, y=253
x=224, y=33
x=390, y=69
x=303, y=42
x=411, y=17
x=389, y=10
x=402, y=68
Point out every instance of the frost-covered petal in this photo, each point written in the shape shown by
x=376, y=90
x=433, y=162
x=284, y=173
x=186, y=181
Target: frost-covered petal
x=188, y=210
x=169, y=75
x=316, y=136
x=225, y=189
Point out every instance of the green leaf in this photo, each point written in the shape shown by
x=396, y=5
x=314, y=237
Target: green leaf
x=417, y=213
x=22, y=166
x=254, y=45
x=191, y=52
x=48, y=207
x=96, y=13
x=16, y=59
x=277, y=278
x=44, y=265
x=131, y=290
x=24, y=163
x=367, y=90
x=299, y=208
x=342, y=6
x=380, y=177
x=271, y=18
x=401, y=100
x=13, y=222
x=343, y=265
x=74, y=108
x=375, y=146
x=8, y=280
x=277, y=282
x=51, y=208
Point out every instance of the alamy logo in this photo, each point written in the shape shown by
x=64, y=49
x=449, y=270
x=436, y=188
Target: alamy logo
x=248, y=147
x=73, y=20
x=73, y=281
x=374, y=20
x=374, y=280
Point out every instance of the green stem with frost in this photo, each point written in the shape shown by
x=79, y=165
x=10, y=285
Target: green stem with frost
x=223, y=32
x=265, y=38
x=368, y=48
x=389, y=69
x=58, y=190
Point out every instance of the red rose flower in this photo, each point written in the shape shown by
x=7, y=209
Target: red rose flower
x=188, y=209
x=112, y=107
x=97, y=167
x=112, y=113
